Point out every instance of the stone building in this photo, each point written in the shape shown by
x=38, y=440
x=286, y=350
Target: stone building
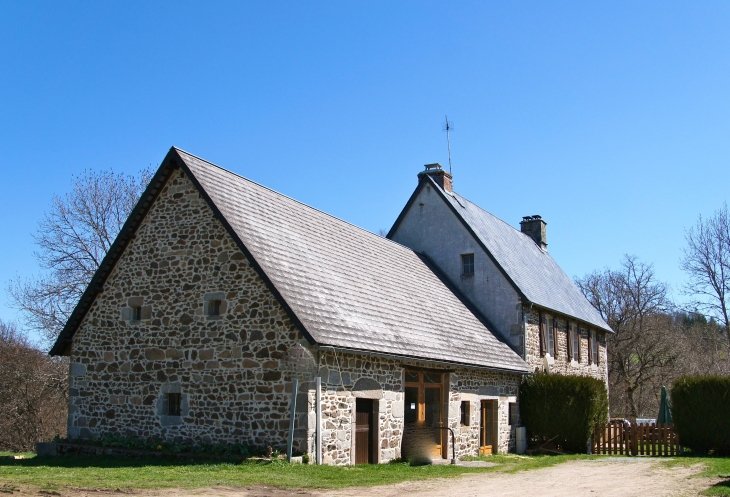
x=219, y=295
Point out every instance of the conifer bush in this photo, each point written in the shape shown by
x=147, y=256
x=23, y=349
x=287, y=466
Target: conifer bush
x=701, y=413
x=563, y=408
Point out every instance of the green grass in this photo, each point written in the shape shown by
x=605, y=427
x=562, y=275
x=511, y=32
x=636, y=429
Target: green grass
x=714, y=467
x=126, y=473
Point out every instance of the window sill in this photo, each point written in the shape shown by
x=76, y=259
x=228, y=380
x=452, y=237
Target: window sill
x=574, y=363
x=467, y=276
x=168, y=420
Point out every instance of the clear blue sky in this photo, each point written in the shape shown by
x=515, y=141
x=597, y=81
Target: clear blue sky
x=609, y=119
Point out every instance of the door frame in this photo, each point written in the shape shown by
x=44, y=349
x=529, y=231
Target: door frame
x=374, y=427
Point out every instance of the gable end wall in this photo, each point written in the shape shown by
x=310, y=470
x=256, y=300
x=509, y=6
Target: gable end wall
x=232, y=371
x=431, y=227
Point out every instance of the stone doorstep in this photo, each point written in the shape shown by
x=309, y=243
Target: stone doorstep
x=465, y=464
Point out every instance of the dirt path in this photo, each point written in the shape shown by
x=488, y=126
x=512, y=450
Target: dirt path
x=620, y=477
x=613, y=477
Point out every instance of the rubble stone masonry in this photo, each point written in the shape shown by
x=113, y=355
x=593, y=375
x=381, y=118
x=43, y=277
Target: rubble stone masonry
x=230, y=369
x=149, y=333
x=561, y=364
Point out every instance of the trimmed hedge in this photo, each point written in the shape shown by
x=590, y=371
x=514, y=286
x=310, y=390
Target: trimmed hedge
x=563, y=407
x=701, y=413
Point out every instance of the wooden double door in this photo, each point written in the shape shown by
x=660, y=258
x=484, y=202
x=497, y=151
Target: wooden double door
x=424, y=401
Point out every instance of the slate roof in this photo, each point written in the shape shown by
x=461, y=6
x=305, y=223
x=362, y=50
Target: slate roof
x=532, y=270
x=344, y=286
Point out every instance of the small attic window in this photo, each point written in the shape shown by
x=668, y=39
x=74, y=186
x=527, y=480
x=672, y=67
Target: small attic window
x=214, y=308
x=467, y=264
x=137, y=313
x=173, y=404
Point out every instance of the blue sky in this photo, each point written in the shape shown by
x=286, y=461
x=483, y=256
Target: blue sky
x=610, y=119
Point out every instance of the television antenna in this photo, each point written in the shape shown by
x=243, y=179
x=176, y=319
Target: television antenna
x=448, y=126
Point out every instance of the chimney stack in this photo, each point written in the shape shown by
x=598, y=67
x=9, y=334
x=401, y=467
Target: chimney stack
x=534, y=227
x=438, y=175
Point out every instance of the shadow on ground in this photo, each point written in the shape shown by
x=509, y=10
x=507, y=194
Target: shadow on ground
x=119, y=462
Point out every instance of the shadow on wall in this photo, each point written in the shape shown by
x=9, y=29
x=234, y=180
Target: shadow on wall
x=420, y=443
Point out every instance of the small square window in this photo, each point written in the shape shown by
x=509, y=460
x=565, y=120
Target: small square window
x=173, y=404
x=465, y=413
x=214, y=308
x=467, y=264
x=137, y=313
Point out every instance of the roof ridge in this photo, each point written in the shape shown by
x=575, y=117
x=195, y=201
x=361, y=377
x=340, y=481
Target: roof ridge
x=293, y=199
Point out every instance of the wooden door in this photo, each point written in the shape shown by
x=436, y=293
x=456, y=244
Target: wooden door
x=364, y=453
x=488, y=428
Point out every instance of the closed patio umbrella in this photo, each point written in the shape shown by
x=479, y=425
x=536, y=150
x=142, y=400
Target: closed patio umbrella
x=665, y=414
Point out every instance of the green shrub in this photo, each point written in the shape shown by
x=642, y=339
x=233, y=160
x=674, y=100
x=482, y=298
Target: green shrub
x=563, y=408
x=701, y=413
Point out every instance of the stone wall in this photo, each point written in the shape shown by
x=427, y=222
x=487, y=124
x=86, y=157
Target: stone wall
x=343, y=373
x=149, y=334
x=231, y=370
x=561, y=364
x=474, y=386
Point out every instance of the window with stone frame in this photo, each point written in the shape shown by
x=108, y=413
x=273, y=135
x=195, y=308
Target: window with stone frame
x=548, y=322
x=214, y=308
x=137, y=313
x=214, y=305
x=465, y=413
x=591, y=359
x=467, y=264
x=174, y=404
x=594, y=346
x=513, y=414
x=575, y=340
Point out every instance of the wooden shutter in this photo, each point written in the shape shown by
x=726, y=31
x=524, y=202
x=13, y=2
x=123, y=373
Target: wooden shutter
x=555, y=338
x=595, y=341
x=543, y=346
x=569, y=339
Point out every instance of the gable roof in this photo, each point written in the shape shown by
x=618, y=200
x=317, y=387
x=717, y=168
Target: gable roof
x=344, y=287
x=532, y=271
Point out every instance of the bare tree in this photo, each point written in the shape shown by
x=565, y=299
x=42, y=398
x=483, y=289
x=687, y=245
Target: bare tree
x=702, y=347
x=706, y=260
x=33, y=392
x=641, y=351
x=72, y=240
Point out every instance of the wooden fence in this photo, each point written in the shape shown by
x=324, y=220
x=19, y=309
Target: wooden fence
x=637, y=440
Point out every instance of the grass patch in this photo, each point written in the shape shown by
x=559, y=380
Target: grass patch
x=127, y=473
x=715, y=467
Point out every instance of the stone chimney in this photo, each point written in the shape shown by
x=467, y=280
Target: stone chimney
x=438, y=175
x=534, y=227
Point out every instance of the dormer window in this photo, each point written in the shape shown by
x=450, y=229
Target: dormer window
x=467, y=264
